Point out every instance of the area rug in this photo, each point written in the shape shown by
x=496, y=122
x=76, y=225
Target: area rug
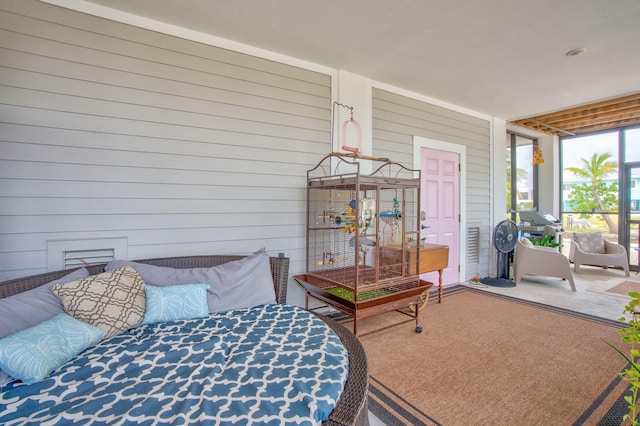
x=487, y=359
x=625, y=287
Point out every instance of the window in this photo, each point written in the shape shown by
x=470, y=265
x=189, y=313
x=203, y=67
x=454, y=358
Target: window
x=588, y=162
x=632, y=144
x=522, y=178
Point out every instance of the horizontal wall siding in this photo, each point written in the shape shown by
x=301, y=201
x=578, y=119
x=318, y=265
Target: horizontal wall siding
x=397, y=119
x=108, y=130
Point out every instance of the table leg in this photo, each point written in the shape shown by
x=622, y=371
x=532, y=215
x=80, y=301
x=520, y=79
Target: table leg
x=440, y=286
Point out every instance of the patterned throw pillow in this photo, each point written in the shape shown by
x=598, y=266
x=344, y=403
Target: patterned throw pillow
x=176, y=302
x=590, y=242
x=32, y=354
x=113, y=301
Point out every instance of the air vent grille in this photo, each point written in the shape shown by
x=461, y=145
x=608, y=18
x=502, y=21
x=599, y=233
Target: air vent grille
x=78, y=258
x=473, y=245
x=68, y=254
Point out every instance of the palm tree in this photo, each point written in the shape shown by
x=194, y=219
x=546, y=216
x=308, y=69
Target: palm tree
x=595, y=170
x=521, y=175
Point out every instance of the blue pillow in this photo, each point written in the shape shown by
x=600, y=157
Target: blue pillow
x=32, y=354
x=30, y=308
x=176, y=302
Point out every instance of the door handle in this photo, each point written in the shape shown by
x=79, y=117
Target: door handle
x=424, y=227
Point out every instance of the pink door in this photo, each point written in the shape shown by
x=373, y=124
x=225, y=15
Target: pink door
x=440, y=200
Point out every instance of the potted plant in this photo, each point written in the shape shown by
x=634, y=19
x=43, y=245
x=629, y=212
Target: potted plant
x=546, y=241
x=631, y=336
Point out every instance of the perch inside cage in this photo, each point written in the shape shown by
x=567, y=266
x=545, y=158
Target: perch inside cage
x=349, y=127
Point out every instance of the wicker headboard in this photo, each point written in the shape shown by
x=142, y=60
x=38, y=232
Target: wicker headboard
x=279, y=272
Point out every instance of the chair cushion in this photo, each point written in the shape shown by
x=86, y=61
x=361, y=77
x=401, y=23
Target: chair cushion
x=590, y=242
x=526, y=242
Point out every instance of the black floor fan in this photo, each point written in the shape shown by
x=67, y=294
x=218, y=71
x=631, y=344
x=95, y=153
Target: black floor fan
x=505, y=238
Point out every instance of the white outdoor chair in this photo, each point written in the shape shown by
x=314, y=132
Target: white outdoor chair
x=591, y=248
x=538, y=260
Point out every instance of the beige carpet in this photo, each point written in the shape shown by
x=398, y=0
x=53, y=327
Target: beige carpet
x=625, y=288
x=486, y=359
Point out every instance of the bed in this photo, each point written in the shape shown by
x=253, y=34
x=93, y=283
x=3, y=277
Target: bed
x=272, y=363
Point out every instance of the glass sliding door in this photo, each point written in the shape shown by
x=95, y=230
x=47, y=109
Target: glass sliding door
x=630, y=205
x=601, y=186
x=630, y=194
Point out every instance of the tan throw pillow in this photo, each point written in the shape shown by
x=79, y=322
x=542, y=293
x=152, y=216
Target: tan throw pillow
x=113, y=301
x=590, y=242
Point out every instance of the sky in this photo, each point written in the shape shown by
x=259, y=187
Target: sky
x=583, y=147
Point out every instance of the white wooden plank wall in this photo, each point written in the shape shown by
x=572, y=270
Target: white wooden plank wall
x=108, y=130
x=396, y=119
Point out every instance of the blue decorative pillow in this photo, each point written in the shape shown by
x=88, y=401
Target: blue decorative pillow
x=30, y=308
x=32, y=354
x=176, y=302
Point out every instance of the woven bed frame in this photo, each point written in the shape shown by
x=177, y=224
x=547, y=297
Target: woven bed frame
x=352, y=407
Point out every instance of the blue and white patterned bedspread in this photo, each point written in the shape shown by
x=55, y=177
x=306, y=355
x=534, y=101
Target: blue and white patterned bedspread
x=273, y=364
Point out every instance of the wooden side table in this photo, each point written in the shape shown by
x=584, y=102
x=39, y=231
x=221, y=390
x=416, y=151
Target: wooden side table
x=433, y=257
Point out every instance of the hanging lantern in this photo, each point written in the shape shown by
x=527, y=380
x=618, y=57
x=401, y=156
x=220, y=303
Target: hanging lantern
x=537, y=156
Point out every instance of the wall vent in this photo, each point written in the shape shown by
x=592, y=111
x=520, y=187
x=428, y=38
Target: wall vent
x=70, y=254
x=77, y=258
x=473, y=245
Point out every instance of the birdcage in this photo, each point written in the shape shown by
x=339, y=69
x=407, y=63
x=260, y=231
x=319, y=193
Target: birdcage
x=362, y=231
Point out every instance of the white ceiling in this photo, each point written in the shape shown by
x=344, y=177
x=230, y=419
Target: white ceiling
x=500, y=57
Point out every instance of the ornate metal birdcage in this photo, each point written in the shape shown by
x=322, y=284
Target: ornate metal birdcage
x=363, y=236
